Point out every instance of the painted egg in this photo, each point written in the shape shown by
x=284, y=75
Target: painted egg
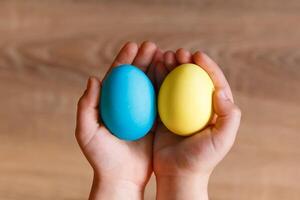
x=127, y=102
x=185, y=99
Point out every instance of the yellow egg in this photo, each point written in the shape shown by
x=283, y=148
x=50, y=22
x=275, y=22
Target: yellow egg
x=185, y=99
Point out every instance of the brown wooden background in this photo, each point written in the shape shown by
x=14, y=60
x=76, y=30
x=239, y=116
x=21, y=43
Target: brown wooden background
x=48, y=49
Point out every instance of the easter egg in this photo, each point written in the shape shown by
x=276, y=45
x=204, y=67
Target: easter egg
x=127, y=102
x=185, y=99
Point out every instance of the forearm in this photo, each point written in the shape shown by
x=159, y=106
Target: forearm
x=115, y=190
x=182, y=188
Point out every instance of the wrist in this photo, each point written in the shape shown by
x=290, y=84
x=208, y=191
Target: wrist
x=182, y=187
x=103, y=188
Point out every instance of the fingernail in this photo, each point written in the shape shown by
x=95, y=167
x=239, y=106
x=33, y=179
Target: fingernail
x=222, y=94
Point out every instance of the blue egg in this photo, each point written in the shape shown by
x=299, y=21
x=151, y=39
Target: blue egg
x=127, y=102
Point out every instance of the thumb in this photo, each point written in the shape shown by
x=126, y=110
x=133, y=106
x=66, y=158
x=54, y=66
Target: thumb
x=87, y=110
x=228, y=119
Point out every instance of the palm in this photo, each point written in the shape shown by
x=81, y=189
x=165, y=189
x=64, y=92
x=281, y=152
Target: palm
x=174, y=153
x=108, y=154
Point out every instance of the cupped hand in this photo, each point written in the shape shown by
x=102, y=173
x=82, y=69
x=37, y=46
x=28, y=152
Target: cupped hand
x=124, y=164
x=197, y=155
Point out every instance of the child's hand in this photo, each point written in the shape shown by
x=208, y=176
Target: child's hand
x=183, y=164
x=121, y=168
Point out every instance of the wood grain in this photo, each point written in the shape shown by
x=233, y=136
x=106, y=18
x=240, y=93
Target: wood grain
x=49, y=48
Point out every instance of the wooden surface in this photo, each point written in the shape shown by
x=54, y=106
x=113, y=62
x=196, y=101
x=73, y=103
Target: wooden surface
x=48, y=49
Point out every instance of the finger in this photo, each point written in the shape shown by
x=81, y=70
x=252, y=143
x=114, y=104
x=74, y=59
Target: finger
x=126, y=55
x=170, y=60
x=183, y=56
x=228, y=120
x=87, y=108
x=158, y=57
x=214, y=72
x=145, y=55
x=160, y=73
